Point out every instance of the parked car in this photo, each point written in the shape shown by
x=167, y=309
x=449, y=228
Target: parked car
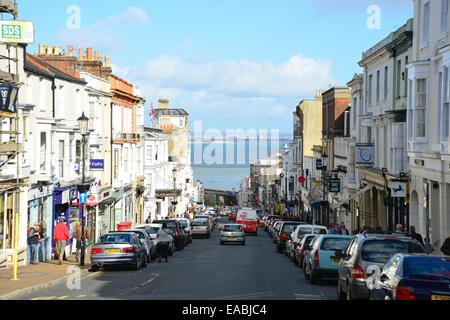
x=302, y=247
x=298, y=233
x=371, y=248
x=186, y=225
x=414, y=277
x=200, y=228
x=150, y=248
x=272, y=227
x=232, y=233
x=268, y=221
x=119, y=248
x=152, y=229
x=284, y=234
x=177, y=232
x=209, y=219
x=320, y=261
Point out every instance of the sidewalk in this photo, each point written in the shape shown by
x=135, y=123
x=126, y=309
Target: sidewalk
x=35, y=277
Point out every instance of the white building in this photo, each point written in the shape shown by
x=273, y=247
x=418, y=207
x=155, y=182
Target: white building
x=428, y=119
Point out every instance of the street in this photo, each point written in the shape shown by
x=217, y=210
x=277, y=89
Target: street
x=204, y=270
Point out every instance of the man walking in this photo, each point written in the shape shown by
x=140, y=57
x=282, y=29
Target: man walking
x=61, y=237
x=78, y=236
x=343, y=230
x=33, y=242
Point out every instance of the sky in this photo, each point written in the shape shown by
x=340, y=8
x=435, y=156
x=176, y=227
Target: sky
x=230, y=64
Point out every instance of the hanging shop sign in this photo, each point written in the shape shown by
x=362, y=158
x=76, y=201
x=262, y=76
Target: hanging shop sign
x=335, y=185
x=8, y=101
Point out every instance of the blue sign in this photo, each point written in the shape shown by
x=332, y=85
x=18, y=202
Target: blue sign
x=97, y=165
x=319, y=164
x=76, y=167
x=83, y=198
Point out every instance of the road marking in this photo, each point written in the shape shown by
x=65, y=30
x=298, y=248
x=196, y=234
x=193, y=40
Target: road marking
x=44, y=298
x=93, y=274
x=63, y=297
x=82, y=296
x=147, y=282
x=301, y=296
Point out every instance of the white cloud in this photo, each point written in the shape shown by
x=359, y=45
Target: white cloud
x=105, y=35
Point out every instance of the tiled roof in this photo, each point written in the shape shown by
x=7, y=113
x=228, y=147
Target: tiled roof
x=39, y=66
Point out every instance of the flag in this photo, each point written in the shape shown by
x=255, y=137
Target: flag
x=153, y=114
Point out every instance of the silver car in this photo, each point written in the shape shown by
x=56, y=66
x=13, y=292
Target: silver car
x=232, y=233
x=119, y=248
x=147, y=241
x=199, y=227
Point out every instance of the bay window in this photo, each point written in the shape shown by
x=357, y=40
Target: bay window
x=421, y=108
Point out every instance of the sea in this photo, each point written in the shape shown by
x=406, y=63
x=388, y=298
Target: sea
x=223, y=164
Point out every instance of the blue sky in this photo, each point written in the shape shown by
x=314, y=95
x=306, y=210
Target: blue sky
x=231, y=64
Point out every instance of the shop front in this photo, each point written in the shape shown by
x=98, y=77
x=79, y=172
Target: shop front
x=40, y=210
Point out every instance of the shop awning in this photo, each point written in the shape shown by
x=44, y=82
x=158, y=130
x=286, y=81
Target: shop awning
x=337, y=205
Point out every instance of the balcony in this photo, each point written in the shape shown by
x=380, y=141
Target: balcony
x=125, y=137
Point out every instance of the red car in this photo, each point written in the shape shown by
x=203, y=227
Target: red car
x=232, y=216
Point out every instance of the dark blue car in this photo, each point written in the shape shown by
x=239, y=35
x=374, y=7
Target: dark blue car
x=414, y=277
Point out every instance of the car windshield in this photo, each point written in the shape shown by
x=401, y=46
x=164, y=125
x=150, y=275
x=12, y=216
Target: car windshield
x=289, y=228
x=333, y=244
x=183, y=223
x=427, y=266
x=382, y=250
x=233, y=228
x=303, y=231
x=198, y=223
x=116, y=238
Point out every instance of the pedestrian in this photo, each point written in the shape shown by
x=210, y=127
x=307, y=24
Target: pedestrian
x=33, y=241
x=332, y=231
x=416, y=235
x=162, y=247
x=399, y=228
x=445, y=249
x=61, y=235
x=343, y=230
x=78, y=234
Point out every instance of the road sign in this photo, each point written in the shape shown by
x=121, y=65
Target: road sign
x=301, y=179
x=335, y=185
x=83, y=198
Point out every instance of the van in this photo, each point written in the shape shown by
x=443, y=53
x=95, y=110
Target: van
x=248, y=218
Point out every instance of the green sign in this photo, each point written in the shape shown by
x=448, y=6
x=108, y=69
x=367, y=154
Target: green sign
x=335, y=185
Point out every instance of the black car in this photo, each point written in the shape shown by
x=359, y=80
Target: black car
x=179, y=235
x=364, y=254
x=284, y=234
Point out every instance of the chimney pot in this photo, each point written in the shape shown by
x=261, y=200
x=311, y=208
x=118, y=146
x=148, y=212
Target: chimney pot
x=89, y=54
x=80, y=54
x=70, y=51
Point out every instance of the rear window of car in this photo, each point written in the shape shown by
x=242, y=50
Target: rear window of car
x=183, y=223
x=116, y=238
x=303, y=231
x=333, y=244
x=308, y=240
x=427, y=266
x=289, y=228
x=198, y=223
x=382, y=250
x=232, y=228
x=151, y=230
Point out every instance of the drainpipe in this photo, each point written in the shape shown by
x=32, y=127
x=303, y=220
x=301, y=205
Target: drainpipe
x=53, y=98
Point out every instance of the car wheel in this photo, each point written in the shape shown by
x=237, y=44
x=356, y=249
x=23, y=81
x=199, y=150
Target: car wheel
x=221, y=243
x=279, y=250
x=340, y=294
x=243, y=243
x=313, y=278
x=144, y=261
x=137, y=265
x=305, y=273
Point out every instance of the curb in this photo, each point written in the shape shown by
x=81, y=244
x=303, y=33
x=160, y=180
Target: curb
x=11, y=295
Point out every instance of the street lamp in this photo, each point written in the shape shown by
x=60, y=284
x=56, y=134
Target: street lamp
x=324, y=177
x=174, y=203
x=83, y=123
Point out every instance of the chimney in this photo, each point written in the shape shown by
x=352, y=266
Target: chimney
x=163, y=104
x=97, y=56
x=41, y=49
x=107, y=61
x=89, y=54
x=80, y=54
x=70, y=51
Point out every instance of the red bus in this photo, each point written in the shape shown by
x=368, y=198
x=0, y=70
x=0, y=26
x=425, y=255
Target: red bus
x=248, y=218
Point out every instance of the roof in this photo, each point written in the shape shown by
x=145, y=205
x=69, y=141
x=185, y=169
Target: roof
x=41, y=67
x=171, y=112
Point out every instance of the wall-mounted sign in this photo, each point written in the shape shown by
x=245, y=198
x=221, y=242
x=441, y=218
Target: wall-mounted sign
x=365, y=154
x=335, y=185
x=97, y=165
x=398, y=189
x=17, y=31
x=319, y=164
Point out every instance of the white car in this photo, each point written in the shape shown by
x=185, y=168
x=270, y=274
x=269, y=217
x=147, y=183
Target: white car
x=186, y=225
x=152, y=229
x=297, y=234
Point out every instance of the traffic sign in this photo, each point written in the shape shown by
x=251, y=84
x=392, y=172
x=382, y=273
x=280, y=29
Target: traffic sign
x=301, y=179
x=83, y=198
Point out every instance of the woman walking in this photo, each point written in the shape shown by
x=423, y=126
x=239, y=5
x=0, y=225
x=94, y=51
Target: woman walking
x=162, y=247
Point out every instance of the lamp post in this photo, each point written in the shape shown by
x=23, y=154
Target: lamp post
x=83, y=122
x=174, y=203
x=324, y=177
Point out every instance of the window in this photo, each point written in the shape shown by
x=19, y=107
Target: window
x=378, y=86
x=354, y=107
x=421, y=108
x=43, y=157
x=405, y=77
x=399, y=79
x=444, y=16
x=78, y=154
x=116, y=164
x=125, y=160
x=386, y=78
x=446, y=106
x=426, y=24
x=61, y=158
x=92, y=115
x=410, y=112
x=370, y=88
x=352, y=173
x=398, y=146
